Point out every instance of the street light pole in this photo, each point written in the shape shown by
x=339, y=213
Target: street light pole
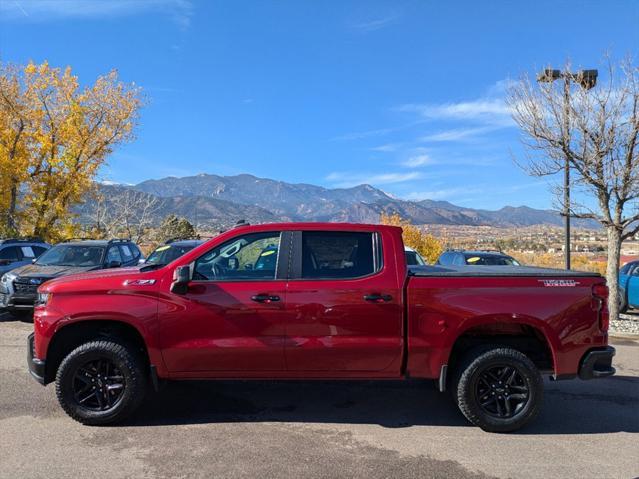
x=586, y=79
x=567, y=173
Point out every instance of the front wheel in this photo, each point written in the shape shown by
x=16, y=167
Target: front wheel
x=623, y=304
x=100, y=382
x=498, y=389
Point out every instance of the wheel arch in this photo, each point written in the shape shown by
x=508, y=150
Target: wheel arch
x=527, y=335
x=72, y=335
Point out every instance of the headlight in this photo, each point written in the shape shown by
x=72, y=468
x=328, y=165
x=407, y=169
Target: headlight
x=7, y=277
x=43, y=299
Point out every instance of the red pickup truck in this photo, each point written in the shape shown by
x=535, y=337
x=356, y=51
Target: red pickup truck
x=314, y=300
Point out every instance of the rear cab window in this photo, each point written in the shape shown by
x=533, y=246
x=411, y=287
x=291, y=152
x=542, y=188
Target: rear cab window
x=339, y=254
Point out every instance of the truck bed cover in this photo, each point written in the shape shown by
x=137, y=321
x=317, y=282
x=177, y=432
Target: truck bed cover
x=496, y=271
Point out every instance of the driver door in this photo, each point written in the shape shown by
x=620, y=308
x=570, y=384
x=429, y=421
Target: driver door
x=232, y=316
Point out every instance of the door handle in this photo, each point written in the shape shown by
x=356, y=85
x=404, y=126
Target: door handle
x=378, y=298
x=265, y=298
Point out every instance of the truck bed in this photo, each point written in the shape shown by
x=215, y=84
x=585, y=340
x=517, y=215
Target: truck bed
x=496, y=271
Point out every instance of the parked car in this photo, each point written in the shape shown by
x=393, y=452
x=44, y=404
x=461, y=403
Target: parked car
x=476, y=258
x=170, y=251
x=19, y=252
x=413, y=258
x=338, y=302
x=18, y=288
x=629, y=286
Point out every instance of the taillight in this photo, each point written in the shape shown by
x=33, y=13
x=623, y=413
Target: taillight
x=600, y=295
x=600, y=290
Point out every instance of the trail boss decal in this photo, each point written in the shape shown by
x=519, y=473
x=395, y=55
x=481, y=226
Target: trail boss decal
x=559, y=283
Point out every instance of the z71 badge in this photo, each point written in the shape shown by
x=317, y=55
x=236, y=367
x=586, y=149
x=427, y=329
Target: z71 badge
x=139, y=282
x=559, y=283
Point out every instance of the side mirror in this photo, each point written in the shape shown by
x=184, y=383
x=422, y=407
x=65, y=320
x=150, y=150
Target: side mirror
x=142, y=261
x=181, y=279
x=34, y=260
x=114, y=264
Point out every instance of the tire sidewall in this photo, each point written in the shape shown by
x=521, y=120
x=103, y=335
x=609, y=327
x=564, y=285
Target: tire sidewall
x=469, y=403
x=124, y=361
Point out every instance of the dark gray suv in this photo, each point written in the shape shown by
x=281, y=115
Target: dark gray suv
x=18, y=288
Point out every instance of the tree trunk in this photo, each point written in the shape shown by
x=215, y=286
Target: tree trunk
x=12, y=224
x=612, y=270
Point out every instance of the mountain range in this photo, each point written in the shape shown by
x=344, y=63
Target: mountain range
x=212, y=201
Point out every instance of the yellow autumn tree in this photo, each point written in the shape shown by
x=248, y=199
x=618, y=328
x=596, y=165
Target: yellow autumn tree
x=54, y=137
x=14, y=154
x=425, y=244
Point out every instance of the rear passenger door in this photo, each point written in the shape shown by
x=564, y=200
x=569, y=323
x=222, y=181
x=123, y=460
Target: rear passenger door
x=344, y=304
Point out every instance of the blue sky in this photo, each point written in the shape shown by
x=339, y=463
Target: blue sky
x=404, y=95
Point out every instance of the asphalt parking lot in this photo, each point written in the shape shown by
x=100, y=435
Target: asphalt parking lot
x=317, y=429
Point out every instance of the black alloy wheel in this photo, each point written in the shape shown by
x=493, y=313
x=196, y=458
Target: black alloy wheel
x=98, y=385
x=502, y=391
x=102, y=381
x=497, y=388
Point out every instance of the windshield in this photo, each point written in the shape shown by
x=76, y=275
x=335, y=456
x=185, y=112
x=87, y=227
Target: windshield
x=72, y=255
x=491, y=260
x=167, y=253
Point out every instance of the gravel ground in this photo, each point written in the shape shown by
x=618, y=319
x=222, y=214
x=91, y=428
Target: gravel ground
x=626, y=324
x=370, y=429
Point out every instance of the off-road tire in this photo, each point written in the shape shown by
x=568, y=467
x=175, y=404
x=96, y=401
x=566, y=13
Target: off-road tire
x=131, y=367
x=480, y=361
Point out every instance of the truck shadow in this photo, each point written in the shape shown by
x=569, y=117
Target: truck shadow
x=574, y=407
x=6, y=316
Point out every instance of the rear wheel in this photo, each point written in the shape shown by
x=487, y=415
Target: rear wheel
x=498, y=389
x=101, y=382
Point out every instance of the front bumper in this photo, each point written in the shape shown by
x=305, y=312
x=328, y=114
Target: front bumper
x=36, y=366
x=15, y=302
x=597, y=363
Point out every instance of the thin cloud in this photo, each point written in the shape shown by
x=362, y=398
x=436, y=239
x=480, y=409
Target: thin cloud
x=387, y=148
x=418, y=160
x=377, y=23
x=493, y=110
x=457, y=134
x=180, y=11
x=485, y=189
x=347, y=180
x=442, y=194
x=358, y=135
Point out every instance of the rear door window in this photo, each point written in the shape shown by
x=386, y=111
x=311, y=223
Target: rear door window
x=27, y=252
x=338, y=254
x=113, y=255
x=459, y=260
x=127, y=255
x=9, y=253
x=445, y=259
